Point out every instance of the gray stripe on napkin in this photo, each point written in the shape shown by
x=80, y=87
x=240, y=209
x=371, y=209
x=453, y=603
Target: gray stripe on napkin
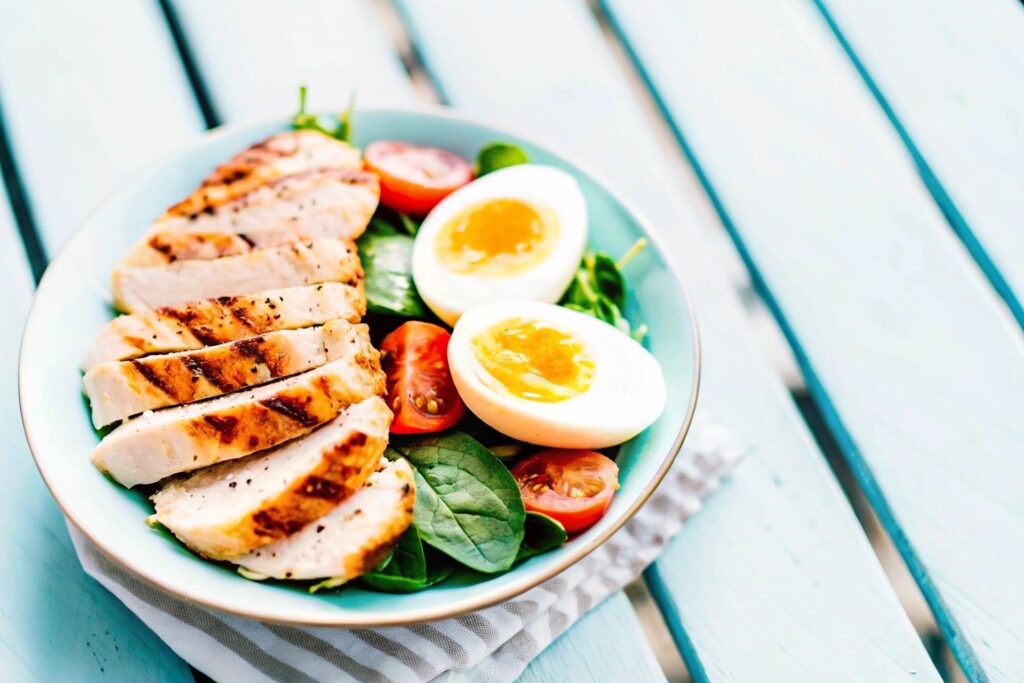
x=326, y=651
x=386, y=646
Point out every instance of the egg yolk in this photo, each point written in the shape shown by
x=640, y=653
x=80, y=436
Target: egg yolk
x=497, y=237
x=531, y=360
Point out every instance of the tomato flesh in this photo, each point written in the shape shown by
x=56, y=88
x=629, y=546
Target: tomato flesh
x=414, y=179
x=421, y=392
x=574, y=487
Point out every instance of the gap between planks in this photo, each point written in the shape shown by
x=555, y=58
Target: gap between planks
x=931, y=181
x=778, y=349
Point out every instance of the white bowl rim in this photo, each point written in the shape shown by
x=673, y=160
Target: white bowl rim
x=352, y=618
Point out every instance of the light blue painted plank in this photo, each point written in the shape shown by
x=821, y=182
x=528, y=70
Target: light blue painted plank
x=56, y=624
x=254, y=54
x=607, y=644
x=949, y=75
x=90, y=90
x=774, y=579
x=373, y=68
x=915, y=362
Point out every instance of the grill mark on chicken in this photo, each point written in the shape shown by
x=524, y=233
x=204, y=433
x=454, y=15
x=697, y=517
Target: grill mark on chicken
x=200, y=368
x=241, y=316
x=293, y=408
x=253, y=348
x=318, y=487
x=225, y=425
x=153, y=377
x=269, y=524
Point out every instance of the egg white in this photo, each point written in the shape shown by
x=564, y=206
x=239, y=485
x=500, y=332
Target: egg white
x=626, y=395
x=448, y=293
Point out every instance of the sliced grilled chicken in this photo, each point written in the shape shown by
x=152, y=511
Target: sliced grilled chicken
x=349, y=540
x=215, y=321
x=235, y=507
x=119, y=390
x=142, y=289
x=156, y=445
x=277, y=156
x=325, y=203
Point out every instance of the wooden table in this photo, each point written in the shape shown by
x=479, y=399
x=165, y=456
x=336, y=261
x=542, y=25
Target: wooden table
x=867, y=159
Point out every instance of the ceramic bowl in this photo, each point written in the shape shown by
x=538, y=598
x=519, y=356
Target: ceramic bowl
x=73, y=303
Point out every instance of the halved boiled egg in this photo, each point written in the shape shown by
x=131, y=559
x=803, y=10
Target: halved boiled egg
x=554, y=377
x=516, y=234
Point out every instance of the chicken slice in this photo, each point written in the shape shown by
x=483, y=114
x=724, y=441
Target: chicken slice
x=184, y=438
x=118, y=390
x=278, y=156
x=235, y=507
x=349, y=540
x=325, y=203
x=229, y=318
x=141, y=289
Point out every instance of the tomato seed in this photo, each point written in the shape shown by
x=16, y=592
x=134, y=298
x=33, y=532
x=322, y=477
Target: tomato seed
x=396, y=405
x=419, y=402
x=432, y=407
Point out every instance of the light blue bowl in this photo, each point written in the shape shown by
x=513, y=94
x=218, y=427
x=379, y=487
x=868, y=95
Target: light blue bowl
x=72, y=304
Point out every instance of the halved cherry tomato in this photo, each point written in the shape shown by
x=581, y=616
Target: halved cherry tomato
x=414, y=179
x=421, y=392
x=574, y=487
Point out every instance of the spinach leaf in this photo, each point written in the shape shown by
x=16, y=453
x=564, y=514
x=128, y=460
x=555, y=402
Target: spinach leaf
x=305, y=121
x=599, y=289
x=387, y=221
x=499, y=155
x=468, y=504
x=409, y=568
x=387, y=264
x=404, y=569
x=542, y=534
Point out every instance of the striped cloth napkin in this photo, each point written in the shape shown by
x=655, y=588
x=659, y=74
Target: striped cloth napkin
x=491, y=645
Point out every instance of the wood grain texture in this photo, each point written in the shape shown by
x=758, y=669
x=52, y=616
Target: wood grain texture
x=254, y=54
x=916, y=364
x=56, y=623
x=90, y=91
x=349, y=50
x=607, y=644
x=949, y=76
x=774, y=579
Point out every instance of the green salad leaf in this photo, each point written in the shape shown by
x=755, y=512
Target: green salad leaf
x=499, y=155
x=542, y=533
x=386, y=251
x=599, y=289
x=306, y=121
x=387, y=264
x=468, y=505
x=409, y=568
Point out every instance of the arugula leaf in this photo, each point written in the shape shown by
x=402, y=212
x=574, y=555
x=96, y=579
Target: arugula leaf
x=387, y=265
x=344, y=130
x=468, y=505
x=306, y=121
x=599, y=289
x=498, y=155
x=542, y=534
